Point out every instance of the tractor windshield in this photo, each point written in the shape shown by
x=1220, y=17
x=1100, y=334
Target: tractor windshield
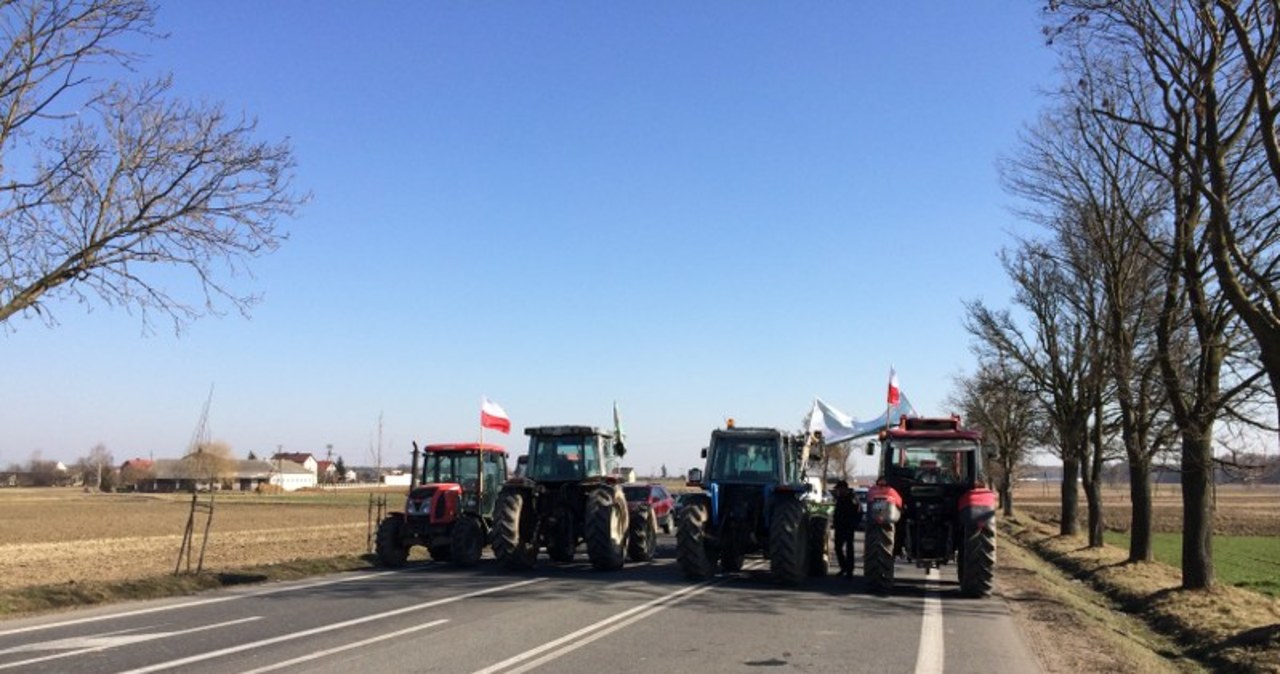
x=453, y=467
x=933, y=461
x=563, y=458
x=745, y=458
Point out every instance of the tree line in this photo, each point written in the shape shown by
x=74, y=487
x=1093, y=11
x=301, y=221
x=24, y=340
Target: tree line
x=1145, y=318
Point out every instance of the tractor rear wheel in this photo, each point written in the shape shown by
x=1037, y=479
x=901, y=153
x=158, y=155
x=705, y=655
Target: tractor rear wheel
x=642, y=537
x=691, y=543
x=467, y=541
x=511, y=550
x=606, y=528
x=392, y=552
x=788, y=536
x=978, y=561
x=563, y=538
x=819, y=557
x=877, y=560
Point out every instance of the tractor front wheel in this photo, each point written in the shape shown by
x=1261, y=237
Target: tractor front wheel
x=468, y=541
x=877, y=560
x=642, y=537
x=691, y=543
x=511, y=549
x=606, y=528
x=390, y=547
x=788, y=536
x=978, y=561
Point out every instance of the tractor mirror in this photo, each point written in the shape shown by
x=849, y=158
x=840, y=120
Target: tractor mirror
x=695, y=476
x=704, y=452
x=871, y=448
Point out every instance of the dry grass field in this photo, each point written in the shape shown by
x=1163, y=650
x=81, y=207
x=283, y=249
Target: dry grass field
x=60, y=536
x=1241, y=511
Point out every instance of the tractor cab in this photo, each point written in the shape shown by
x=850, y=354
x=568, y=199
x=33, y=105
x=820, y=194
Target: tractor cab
x=466, y=476
x=563, y=454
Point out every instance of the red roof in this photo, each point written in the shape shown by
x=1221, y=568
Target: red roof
x=296, y=457
x=465, y=447
x=138, y=463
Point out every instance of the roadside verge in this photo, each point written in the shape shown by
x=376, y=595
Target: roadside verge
x=1226, y=629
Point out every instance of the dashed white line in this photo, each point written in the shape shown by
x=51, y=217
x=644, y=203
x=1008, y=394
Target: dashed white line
x=189, y=604
x=171, y=664
x=345, y=647
x=80, y=645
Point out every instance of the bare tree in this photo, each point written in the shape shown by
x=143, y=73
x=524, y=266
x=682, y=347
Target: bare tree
x=997, y=401
x=96, y=468
x=1054, y=351
x=121, y=177
x=1165, y=69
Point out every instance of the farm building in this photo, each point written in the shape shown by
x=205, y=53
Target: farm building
x=183, y=475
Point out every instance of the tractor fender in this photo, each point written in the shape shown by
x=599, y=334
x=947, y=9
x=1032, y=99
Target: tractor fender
x=978, y=508
x=884, y=505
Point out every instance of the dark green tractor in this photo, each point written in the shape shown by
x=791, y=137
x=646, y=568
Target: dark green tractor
x=757, y=498
x=567, y=491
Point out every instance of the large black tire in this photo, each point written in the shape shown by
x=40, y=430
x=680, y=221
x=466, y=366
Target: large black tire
x=877, y=557
x=819, y=551
x=691, y=543
x=788, y=536
x=978, y=561
x=511, y=549
x=606, y=528
x=389, y=543
x=563, y=539
x=642, y=536
x=467, y=541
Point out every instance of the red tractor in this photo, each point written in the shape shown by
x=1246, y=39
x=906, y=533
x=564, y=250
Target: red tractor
x=931, y=505
x=449, y=510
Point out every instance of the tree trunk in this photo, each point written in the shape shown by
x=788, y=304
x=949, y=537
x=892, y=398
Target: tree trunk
x=1197, y=510
x=1070, y=497
x=1140, y=496
x=1006, y=497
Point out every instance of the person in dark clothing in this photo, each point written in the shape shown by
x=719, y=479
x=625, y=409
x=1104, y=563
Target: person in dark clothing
x=845, y=522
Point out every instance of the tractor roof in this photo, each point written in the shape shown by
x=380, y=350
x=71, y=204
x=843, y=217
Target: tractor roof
x=465, y=447
x=566, y=430
x=932, y=428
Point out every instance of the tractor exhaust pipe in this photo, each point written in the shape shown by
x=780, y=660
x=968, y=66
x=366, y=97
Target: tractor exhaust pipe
x=413, y=475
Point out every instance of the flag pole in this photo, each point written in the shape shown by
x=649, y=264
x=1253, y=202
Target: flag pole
x=482, y=399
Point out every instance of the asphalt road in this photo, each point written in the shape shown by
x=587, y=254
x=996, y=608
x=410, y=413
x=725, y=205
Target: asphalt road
x=556, y=618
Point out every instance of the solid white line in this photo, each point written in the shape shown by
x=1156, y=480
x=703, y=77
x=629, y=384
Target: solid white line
x=325, y=653
x=106, y=642
x=645, y=610
x=325, y=628
x=929, y=655
x=603, y=633
x=188, y=604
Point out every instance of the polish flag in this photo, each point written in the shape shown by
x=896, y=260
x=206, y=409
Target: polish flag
x=493, y=416
x=895, y=396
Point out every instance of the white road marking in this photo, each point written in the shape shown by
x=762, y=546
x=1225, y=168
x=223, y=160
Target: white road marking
x=80, y=645
x=325, y=628
x=338, y=649
x=929, y=655
x=188, y=604
x=612, y=623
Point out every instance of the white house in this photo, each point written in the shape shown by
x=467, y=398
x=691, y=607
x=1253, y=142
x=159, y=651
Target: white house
x=291, y=476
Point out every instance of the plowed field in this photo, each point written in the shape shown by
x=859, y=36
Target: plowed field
x=54, y=536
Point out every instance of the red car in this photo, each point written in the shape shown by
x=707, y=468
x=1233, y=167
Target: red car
x=664, y=507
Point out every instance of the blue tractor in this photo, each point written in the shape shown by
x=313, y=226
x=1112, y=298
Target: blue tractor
x=757, y=498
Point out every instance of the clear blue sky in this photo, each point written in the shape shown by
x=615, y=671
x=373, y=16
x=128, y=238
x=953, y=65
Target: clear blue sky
x=699, y=210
